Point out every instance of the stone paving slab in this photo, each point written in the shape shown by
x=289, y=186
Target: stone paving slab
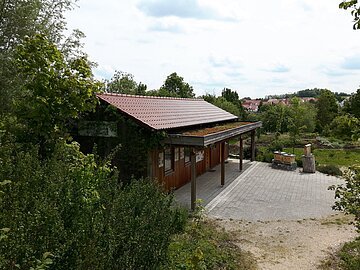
x=263, y=193
x=209, y=184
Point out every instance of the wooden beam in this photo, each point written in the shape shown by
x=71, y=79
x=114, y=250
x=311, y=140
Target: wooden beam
x=253, y=145
x=241, y=153
x=193, y=178
x=222, y=161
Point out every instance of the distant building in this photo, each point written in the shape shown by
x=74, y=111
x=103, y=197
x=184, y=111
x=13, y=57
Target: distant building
x=252, y=105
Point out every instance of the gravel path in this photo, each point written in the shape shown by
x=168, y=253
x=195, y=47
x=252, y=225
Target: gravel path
x=283, y=245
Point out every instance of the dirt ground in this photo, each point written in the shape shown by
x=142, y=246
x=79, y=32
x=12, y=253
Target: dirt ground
x=300, y=244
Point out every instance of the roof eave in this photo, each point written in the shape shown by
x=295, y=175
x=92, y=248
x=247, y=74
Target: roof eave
x=202, y=141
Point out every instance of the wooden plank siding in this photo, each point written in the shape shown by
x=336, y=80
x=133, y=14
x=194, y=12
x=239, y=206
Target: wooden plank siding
x=181, y=173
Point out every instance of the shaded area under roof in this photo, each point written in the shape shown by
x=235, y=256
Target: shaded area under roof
x=167, y=113
x=211, y=137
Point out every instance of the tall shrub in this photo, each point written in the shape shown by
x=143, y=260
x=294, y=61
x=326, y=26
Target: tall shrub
x=349, y=195
x=69, y=212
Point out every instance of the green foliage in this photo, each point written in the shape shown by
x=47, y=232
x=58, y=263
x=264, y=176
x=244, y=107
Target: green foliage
x=308, y=93
x=222, y=103
x=350, y=255
x=18, y=19
x=349, y=195
x=265, y=155
x=327, y=110
x=233, y=97
x=355, y=11
x=338, y=157
x=352, y=105
x=275, y=118
x=175, y=86
x=69, y=212
x=162, y=92
x=227, y=106
x=143, y=220
x=50, y=206
x=301, y=119
x=329, y=169
x=124, y=83
x=345, y=127
x=55, y=90
x=203, y=246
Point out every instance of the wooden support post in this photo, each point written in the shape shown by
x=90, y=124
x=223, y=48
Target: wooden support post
x=193, y=178
x=150, y=173
x=253, y=145
x=241, y=153
x=222, y=161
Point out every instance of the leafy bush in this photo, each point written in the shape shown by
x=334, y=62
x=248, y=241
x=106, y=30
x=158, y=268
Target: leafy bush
x=69, y=212
x=329, y=169
x=143, y=221
x=350, y=255
x=349, y=195
x=345, y=127
x=265, y=156
x=276, y=145
x=299, y=162
x=247, y=152
x=203, y=246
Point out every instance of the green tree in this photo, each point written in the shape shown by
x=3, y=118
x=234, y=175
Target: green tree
x=352, y=105
x=275, y=118
x=124, y=83
x=355, y=11
x=227, y=106
x=54, y=89
x=174, y=85
x=233, y=97
x=327, y=110
x=301, y=118
x=162, y=92
x=20, y=18
x=209, y=98
x=345, y=127
x=222, y=103
x=308, y=93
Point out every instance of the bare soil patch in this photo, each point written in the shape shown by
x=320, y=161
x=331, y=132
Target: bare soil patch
x=300, y=244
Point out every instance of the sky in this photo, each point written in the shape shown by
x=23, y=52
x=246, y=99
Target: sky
x=256, y=48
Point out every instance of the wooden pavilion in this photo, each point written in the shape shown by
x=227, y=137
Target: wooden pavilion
x=196, y=136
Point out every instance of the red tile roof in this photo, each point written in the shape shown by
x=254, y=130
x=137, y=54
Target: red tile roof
x=166, y=113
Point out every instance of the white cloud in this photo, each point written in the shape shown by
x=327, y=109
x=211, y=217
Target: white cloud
x=179, y=8
x=267, y=47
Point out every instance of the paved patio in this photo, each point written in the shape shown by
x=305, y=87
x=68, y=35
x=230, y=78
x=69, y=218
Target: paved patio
x=262, y=193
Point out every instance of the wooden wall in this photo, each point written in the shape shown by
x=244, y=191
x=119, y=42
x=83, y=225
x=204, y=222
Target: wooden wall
x=180, y=175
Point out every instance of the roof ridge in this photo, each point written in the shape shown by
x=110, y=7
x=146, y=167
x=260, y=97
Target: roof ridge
x=149, y=97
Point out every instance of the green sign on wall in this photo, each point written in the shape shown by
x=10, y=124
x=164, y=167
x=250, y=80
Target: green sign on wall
x=97, y=129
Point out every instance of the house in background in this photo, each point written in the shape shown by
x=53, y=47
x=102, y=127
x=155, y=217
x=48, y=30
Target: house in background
x=170, y=139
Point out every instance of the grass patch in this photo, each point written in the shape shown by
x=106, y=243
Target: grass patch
x=347, y=258
x=350, y=255
x=339, y=157
x=338, y=220
x=204, y=246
